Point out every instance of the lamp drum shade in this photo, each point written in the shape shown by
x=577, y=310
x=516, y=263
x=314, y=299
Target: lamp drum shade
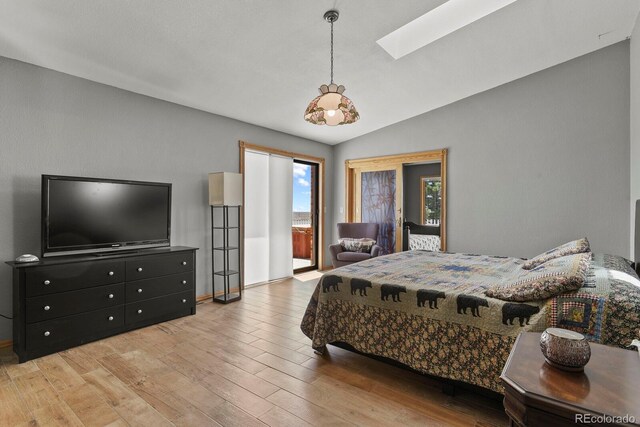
x=225, y=189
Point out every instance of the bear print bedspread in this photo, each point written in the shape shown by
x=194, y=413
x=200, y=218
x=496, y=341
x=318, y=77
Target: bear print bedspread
x=428, y=311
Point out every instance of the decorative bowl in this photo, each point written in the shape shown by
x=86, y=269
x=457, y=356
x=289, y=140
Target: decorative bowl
x=564, y=349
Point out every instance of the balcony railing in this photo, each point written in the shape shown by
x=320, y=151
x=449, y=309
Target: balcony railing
x=301, y=219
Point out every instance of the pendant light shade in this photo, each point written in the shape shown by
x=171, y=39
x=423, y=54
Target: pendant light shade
x=331, y=108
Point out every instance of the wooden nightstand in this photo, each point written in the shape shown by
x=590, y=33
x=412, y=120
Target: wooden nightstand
x=537, y=394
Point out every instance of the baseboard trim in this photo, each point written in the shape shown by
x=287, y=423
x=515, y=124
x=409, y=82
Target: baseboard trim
x=204, y=297
x=6, y=343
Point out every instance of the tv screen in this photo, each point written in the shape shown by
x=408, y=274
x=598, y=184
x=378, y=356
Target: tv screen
x=82, y=215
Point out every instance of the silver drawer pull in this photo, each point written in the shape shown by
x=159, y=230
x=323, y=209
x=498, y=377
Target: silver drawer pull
x=111, y=273
x=47, y=282
x=139, y=291
x=139, y=311
x=184, y=282
x=47, y=308
x=184, y=262
x=110, y=318
x=139, y=268
x=46, y=334
x=184, y=300
x=110, y=296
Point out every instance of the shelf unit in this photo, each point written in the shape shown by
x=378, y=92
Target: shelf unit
x=223, y=273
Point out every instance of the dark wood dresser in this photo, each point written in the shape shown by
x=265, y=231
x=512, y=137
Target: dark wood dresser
x=606, y=393
x=63, y=302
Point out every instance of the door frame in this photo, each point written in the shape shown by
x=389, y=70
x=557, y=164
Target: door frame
x=353, y=168
x=243, y=146
x=315, y=216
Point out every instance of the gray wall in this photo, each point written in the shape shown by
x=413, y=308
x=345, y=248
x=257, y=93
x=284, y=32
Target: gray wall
x=53, y=123
x=532, y=163
x=634, y=55
x=411, y=188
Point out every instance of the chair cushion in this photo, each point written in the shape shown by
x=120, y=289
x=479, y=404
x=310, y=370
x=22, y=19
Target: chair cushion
x=357, y=245
x=575, y=247
x=353, y=256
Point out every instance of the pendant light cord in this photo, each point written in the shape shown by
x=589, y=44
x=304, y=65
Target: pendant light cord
x=332, y=51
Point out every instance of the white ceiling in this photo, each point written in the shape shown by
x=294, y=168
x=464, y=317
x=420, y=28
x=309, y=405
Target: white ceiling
x=262, y=61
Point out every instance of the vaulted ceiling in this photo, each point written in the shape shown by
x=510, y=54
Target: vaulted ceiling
x=262, y=61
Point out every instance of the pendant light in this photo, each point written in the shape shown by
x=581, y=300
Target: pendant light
x=331, y=108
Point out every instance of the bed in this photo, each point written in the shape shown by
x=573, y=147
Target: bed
x=429, y=311
x=421, y=237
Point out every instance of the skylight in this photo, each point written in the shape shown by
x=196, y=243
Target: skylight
x=437, y=23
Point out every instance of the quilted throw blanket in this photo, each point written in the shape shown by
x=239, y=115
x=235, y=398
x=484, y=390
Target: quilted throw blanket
x=428, y=311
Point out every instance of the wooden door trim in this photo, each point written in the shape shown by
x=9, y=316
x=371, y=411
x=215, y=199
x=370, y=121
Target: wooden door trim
x=321, y=192
x=391, y=162
x=443, y=206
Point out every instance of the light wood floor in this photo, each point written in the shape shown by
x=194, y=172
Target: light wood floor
x=243, y=364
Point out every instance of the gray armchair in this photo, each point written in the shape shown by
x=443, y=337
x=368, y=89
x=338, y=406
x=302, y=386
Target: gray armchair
x=355, y=230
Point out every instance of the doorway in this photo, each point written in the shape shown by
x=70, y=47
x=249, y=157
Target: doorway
x=374, y=193
x=304, y=224
x=267, y=214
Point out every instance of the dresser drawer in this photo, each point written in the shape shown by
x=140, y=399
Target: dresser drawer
x=51, y=306
x=144, y=268
x=142, y=311
x=72, y=328
x=68, y=277
x=156, y=287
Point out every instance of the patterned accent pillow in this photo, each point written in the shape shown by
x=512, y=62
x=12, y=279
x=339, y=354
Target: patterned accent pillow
x=615, y=262
x=575, y=247
x=357, y=245
x=552, y=278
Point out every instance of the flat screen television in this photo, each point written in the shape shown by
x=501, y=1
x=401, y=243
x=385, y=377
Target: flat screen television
x=91, y=215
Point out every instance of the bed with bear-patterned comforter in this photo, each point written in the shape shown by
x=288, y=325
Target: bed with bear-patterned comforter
x=428, y=311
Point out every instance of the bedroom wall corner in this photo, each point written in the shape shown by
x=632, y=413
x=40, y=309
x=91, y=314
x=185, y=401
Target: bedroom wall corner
x=634, y=117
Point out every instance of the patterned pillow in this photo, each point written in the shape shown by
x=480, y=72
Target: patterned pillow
x=615, y=262
x=552, y=278
x=575, y=247
x=357, y=245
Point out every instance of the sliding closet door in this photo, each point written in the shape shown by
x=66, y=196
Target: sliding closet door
x=378, y=199
x=268, y=182
x=379, y=205
x=280, y=217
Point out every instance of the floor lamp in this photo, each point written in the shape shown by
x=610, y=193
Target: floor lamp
x=225, y=199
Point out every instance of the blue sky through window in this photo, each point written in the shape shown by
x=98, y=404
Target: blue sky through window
x=301, y=188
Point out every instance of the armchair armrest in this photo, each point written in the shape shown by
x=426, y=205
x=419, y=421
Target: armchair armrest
x=376, y=250
x=335, y=250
